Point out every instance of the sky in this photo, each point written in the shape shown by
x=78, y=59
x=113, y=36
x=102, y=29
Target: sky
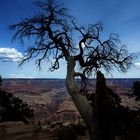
x=117, y=16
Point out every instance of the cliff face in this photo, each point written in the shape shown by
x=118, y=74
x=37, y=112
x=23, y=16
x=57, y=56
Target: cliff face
x=55, y=114
x=48, y=99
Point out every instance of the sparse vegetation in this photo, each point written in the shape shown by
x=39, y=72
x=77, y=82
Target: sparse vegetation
x=13, y=108
x=115, y=120
x=126, y=123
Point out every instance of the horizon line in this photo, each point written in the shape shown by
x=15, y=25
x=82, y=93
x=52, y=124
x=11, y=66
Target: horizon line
x=65, y=78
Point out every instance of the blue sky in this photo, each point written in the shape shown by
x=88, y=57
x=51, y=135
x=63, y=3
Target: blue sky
x=117, y=16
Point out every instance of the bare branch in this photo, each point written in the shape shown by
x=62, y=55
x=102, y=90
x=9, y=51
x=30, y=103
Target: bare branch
x=52, y=32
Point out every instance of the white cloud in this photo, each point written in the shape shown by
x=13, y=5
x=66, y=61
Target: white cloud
x=137, y=65
x=9, y=54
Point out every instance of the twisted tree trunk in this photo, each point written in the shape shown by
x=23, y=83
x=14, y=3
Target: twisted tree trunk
x=81, y=102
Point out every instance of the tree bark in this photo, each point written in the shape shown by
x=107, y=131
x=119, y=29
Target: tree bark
x=81, y=102
x=103, y=107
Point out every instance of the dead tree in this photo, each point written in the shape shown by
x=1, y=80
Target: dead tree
x=53, y=33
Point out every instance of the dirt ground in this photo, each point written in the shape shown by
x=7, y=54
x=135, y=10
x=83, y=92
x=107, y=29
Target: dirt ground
x=21, y=131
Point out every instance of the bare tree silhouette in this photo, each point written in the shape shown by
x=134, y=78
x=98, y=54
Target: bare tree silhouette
x=53, y=33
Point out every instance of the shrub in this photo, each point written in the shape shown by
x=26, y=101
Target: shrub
x=13, y=108
x=136, y=89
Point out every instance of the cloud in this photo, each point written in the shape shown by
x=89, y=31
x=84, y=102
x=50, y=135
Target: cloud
x=137, y=65
x=9, y=54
